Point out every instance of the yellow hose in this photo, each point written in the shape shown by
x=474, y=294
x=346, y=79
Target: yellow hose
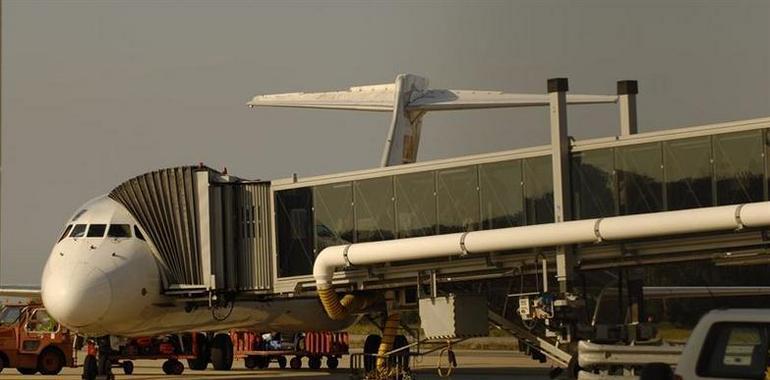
x=338, y=309
x=389, y=333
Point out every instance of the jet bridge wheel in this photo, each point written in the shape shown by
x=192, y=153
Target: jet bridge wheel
x=222, y=352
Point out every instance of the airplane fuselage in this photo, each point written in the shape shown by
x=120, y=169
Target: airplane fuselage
x=101, y=278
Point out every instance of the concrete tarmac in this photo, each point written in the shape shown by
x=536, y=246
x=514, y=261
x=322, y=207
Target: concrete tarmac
x=472, y=365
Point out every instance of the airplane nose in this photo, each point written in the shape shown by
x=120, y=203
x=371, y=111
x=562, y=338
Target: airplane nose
x=77, y=296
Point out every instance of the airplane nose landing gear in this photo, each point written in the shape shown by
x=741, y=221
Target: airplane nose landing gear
x=98, y=365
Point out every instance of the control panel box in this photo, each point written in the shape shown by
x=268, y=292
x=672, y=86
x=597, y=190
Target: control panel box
x=454, y=316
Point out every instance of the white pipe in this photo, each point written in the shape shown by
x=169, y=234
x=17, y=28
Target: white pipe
x=708, y=219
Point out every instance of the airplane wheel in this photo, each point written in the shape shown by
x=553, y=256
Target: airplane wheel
x=222, y=352
x=50, y=362
x=90, y=368
x=332, y=362
x=27, y=371
x=202, y=361
x=128, y=367
x=250, y=362
x=281, y=362
x=314, y=362
x=295, y=362
x=371, y=346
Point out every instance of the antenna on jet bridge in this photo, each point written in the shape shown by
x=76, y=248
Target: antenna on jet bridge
x=409, y=99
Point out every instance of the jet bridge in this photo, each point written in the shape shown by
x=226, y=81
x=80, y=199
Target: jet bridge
x=521, y=226
x=209, y=231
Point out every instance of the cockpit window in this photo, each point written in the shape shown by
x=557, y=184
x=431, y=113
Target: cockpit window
x=96, y=230
x=119, y=231
x=138, y=233
x=66, y=232
x=78, y=231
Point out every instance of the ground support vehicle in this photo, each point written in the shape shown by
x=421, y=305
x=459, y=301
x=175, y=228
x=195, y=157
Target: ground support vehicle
x=724, y=345
x=173, y=349
x=258, y=351
x=31, y=341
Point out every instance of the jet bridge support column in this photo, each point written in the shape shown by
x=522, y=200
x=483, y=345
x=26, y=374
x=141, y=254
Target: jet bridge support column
x=557, y=95
x=627, y=90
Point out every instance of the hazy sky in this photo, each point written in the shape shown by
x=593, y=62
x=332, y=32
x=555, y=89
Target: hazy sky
x=96, y=92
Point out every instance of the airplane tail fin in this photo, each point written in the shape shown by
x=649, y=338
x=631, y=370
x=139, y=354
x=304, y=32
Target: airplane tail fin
x=409, y=98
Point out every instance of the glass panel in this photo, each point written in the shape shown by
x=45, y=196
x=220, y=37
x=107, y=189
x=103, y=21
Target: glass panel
x=640, y=178
x=538, y=190
x=739, y=167
x=375, y=211
x=78, y=231
x=735, y=351
x=40, y=321
x=138, y=233
x=119, y=231
x=333, y=206
x=688, y=173
x=502, y=198
x=66, y=232
x=415, y=204
x=294, y=231
x=458, y=200
x=96, y=230
x=9, y=314
x=593, y=181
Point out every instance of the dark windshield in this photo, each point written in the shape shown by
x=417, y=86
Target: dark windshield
x=119, y=231
x=138, y=233
x=78, y=231
x=9, y=315
x=66, y=232
x=96, y=230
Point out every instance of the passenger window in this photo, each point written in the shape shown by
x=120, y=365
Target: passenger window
x=138, y=233
x=119, y=231
x=66, y=232
x=96, y=230
x=78, y=231
x=734, y=350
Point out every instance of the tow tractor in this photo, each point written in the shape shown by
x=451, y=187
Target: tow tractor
x=31, y=341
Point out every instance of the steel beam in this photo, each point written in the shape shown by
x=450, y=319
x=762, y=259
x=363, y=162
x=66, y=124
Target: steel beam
x=562, y=204
x=627, y=90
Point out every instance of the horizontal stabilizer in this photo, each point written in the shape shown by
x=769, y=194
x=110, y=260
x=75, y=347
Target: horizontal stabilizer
x=381, y=98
